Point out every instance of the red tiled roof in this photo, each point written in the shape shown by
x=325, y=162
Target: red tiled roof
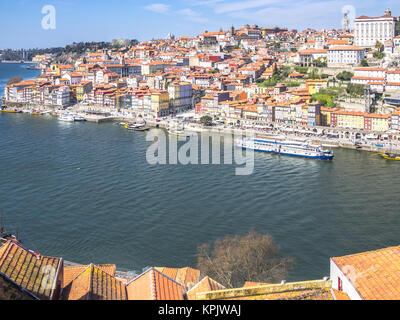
x=94, y=284
x=187, y=277
x=71, y=272
x=28, y=270
x=374, y=274
x=154, y=285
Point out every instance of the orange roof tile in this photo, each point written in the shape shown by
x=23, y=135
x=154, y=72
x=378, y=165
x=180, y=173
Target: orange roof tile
x=187, y=277
x=28, y=269
x=374, y=274
x=71, y=272
x=154, y=285
x=94, y=284
x=339, y=295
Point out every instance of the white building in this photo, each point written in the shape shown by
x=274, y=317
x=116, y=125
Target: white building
x=61, y=96
x=369, y=275
x=345, y=55
x=369, y=30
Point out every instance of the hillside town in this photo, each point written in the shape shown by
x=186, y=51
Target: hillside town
x=251, y=76
x=339, y=83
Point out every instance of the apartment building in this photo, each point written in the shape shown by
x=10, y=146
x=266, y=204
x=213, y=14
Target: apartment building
x=181, y=97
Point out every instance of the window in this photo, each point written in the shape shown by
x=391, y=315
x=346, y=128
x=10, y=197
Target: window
x=340, y=284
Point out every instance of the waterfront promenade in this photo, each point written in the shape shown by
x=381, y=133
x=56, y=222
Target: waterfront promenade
x=345, y=138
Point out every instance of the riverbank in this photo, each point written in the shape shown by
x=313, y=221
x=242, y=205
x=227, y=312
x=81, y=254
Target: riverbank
x=16, y=62
x=347, y=138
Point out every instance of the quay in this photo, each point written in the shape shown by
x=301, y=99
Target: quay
x=349, y=138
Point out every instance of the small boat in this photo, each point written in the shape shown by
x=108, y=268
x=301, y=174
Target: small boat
x=390, y=156
x=137, y=127
x=26, y=111
x=5, y=109
x=79, y=118
x=36, y=113
x=142, y=128
x=177, y=132
x=66, y=117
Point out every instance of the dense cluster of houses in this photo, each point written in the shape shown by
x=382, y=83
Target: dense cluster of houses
x=215, y=73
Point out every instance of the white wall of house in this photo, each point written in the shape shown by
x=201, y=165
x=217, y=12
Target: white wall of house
x=347, y=286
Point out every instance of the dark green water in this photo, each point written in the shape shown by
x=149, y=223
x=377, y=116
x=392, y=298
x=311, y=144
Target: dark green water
x=85, y=192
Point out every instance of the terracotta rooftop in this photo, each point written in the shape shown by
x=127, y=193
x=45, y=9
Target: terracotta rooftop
x=154, y=285
x=374, y=274
x=187, y=277
x=94, y=284
x=71, y=272
x=28, y=270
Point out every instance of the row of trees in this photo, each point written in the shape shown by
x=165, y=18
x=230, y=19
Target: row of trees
x=76, y=48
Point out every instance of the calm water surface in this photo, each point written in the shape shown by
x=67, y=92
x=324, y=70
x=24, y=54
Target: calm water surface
x=86, y=192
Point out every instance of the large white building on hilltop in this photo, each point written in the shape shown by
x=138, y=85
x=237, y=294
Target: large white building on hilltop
x=369, y=30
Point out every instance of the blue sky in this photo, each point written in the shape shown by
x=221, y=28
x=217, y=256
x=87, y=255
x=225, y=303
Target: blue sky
x=98, y=20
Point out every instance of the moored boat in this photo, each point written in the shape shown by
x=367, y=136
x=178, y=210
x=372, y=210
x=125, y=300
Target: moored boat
x=390, y=156
x=137, y=127
x=6, y=109
x=66, y=117
x=306, y=149
x=179, y=133
x=79, y=118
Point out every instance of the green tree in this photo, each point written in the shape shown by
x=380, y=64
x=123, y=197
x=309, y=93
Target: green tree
x=378, y=55
x=271, y=82
x=364, y=63
x=275, y=72
x=321, y=62
x=300, y=69
x=324, y=99
x=354, y=89
x=345, y=76
x=379, y=45
x=206, y=120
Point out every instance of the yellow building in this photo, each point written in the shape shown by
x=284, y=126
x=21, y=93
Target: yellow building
x=350, y=119
x=83, y=88
x=314, y=85
x=160, y=103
